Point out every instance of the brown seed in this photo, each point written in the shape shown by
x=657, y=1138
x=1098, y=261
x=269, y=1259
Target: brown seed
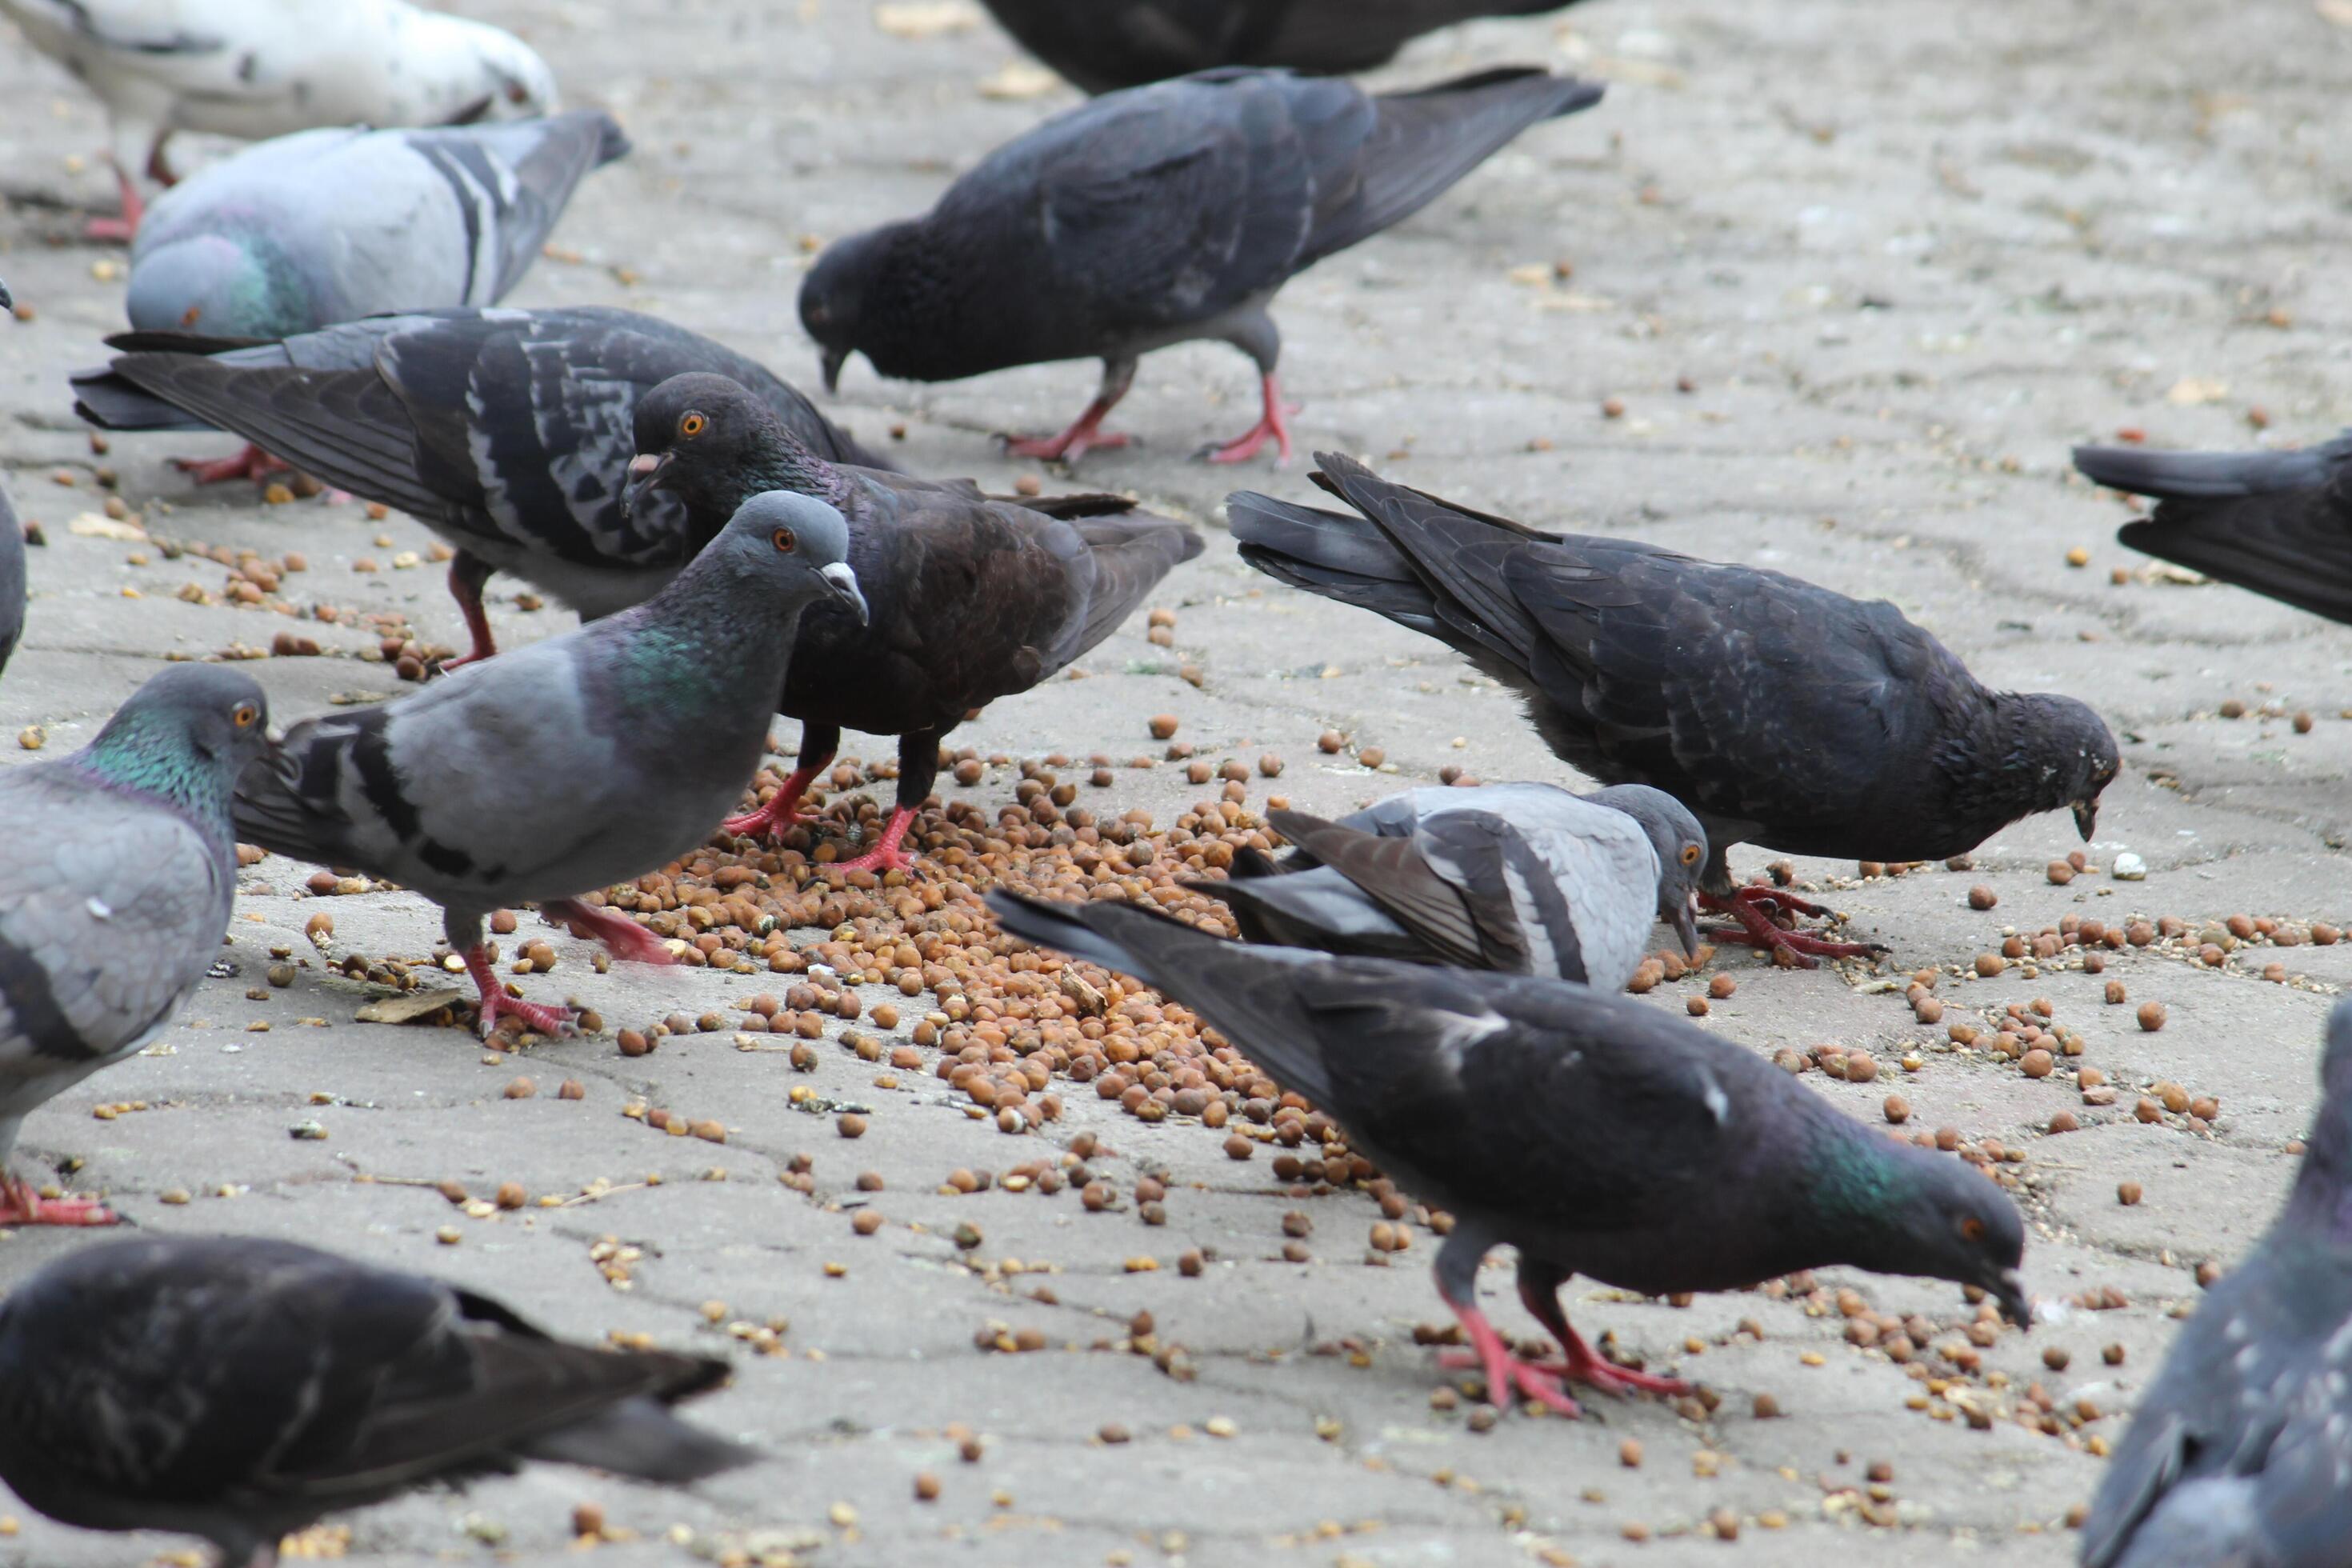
x=2060, y=872
x=2232, y=708
x=2055, y=1357
x=2147, y=1110
x=2113, y=1355
x=1983, y=898
x=520, y=1089
x=865, y=1222
x=2064, y=1121
x=1898, y=1109
x=2208, y=1273
x=1163, y=726
x=1629, y=1453
x=1721, y=986
x=1928, y=1010
x=1371, y=756
x=1768, y=1408
x=1329, y=741
x=2151, y=1015
x=634, y=1044
x=927, y=1487
x=851, y=1124
x=1990, y=964
x=1861, y=1066
x=510, y=1195
x=2303, y=723
x=1695, y=1005
x=1270, y=765
x=1112, y=1432
x=2205, y=1107
x=1190, y=1264
x=2037, y=1063
x=2127, y=1193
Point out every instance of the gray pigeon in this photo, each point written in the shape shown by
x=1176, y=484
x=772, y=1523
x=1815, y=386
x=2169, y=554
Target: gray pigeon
x=1104, y=44
x=566, y=766
x=329, y=225
x=2240, y=1455
x=117, y=870
x=1154, y=216
x=975, y=597
x=1781, y=713
x=1522, y=878
x=506, y=432
x=12, y=557
x=238, y=1389
x=253, y=68
x=1592, y=1133
x=2277, y=522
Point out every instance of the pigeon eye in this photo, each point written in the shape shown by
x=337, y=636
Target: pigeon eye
x=1690, y=854
x=693, y=425
x=1972, y=1228
x=782, y=540
x=246, y=716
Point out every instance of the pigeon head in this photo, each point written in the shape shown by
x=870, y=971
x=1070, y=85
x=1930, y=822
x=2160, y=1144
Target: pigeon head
x=797, y=542
x=184, y=736
x=2072, y=753
x=2326, y=1170
x=715, y=446
x=479, y=72
x=832, y=296
x=219, y=285
x=1903, y=1210
x=1681, y=844
x=7, y=300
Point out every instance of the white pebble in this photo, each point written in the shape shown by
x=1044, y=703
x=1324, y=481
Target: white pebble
x=2129, y=868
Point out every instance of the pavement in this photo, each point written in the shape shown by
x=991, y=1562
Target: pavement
x=1823, y=287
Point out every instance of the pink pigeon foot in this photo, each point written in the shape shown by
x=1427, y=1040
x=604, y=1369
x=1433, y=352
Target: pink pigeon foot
x=1270, y=427
x=253, y=463
x=1752, y=907
x=553, y=1022
x=1582, y=1363
x=624, y=938
x=884, y=857
x=780, y=812
x=20, y=1205
x=1073, y=443
x=1504, y=1370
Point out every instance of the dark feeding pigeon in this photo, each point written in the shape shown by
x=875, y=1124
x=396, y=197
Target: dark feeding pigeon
x=253, y=69
x=1099, y=44
x=1523, y=878
x=506, y=432
x=238, y=1389
x=564, y=767
x=973, y=597
x=1781, y=713
x=2239, y=1452
x=12, y=555
x=330, y=225
x=1593, y=1132
x=1156, y=217
x=2277, y=522
x=118, y=868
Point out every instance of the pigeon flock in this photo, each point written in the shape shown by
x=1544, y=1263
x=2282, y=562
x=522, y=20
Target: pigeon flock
x=1444, y=973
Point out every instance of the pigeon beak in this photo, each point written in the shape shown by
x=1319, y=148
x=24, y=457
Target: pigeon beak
x=843, y=583
x=2086, y=817
x=834, y=360
x=2011, y=1290
x=1685, y=924
x=646, y=472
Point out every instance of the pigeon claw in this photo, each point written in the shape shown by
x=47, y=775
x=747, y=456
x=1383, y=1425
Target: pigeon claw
x=253, y=463
x=779, y=813
x=624, y=938
x=1271, y=427
x=553, y=1022
x=886, y=857
x=1754, y=909
x=1506, y=1371
x=1066, y=447
x=21, y=1205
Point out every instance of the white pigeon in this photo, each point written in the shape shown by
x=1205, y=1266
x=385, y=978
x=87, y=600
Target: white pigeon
x=254, y=69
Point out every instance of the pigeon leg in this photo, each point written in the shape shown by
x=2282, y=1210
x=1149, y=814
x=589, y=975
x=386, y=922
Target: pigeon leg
x=1756, y=929
x=1270, y=427
x=468, y=574
x=918, y=768
x=20, y=1204
x=623, y=937
x=553, y=1022
x=1087, y=434
x=884, y=857
x=1539, y=1288
x=782, y=810
x=124, y=229
x=1457, y=1285
x=253, y=463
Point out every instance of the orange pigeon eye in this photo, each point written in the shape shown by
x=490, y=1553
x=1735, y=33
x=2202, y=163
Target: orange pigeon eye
x=782, y=540
x=693, y=425
x=246, y=716
x=1690, y=854
x=1972, y=1228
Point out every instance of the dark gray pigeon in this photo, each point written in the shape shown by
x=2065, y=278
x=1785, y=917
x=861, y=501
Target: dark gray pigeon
x=1099, y=44
x=1522, y=878
x=117, y=870
x=1781, y=713
x=973, y=597
x=329, y=225
x=12, y=556
x=1154, y=216
x=568, y=765
x=2277, y=522
x=238, y=1389
x=2239, y=1454
x=506, y=432
x=1591, y=1131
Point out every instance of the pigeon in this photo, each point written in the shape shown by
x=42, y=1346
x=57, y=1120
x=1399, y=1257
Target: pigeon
x=1522, y=878
x=2277, y=522
x=1158, y=215
x=1099, y=44
x=974, y=597
x=254, y=69
x=329, y=225
x=2239, y=1450
x=238, y=1389
x=12, y=555
x=505, y=431
x=1780, y=712
x=117, y=872
x=564, y=767
x=1593, y=1132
